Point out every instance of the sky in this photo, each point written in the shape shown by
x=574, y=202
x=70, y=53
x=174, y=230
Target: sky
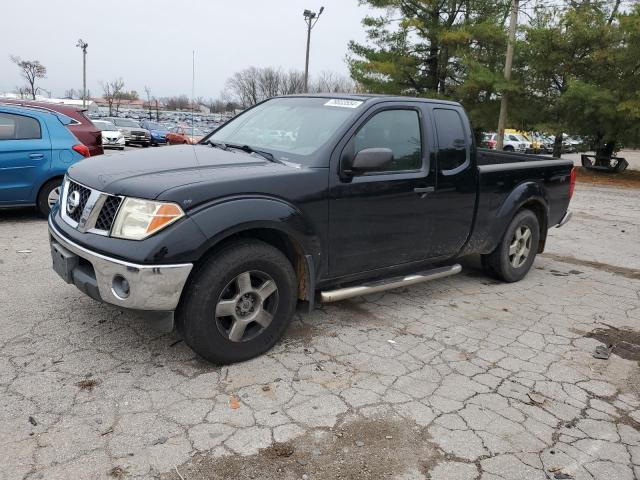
x=151, y=43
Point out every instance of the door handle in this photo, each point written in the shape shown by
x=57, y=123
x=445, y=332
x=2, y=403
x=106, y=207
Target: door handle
x=36, y=155
x=424, y=189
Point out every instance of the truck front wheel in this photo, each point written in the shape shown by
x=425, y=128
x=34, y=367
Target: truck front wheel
x=513, y=257
x=239, y=303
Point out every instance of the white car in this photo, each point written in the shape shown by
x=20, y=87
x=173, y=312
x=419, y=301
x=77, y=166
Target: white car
x=513, y=142
x=111, y=136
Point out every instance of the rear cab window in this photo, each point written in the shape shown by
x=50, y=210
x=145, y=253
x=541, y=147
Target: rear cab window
x=453, y=144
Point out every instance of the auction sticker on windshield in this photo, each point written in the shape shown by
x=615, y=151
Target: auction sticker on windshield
x=344, y=103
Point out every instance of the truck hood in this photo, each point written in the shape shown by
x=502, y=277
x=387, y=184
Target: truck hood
x=149, y=172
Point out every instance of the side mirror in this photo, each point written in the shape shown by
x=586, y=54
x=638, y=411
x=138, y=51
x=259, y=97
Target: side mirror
x=371, y=160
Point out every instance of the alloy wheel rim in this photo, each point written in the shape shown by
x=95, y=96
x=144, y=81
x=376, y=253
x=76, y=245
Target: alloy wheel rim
x=520, y=246
x=246, y=306
x=54, y=196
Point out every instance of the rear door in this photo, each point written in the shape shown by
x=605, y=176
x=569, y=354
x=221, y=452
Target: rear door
x=25, y=155
x=454, y=203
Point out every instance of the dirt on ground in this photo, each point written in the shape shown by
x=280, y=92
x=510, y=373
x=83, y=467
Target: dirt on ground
x=626, y=179
x=623, y=342
x=361, y=450
x=616, y=270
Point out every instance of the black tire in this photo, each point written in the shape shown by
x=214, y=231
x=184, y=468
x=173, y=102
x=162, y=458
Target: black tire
x=499, y=263
x=196, y=320
x=43, y=196
x=508, y=148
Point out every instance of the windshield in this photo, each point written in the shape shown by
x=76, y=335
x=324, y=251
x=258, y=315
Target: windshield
x=105, y=126
x=125, y=122
x=296, y=125
x=155, y=126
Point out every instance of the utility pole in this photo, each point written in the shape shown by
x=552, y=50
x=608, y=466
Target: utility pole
x=502, y=119
x=310, y=18
x=83, y=46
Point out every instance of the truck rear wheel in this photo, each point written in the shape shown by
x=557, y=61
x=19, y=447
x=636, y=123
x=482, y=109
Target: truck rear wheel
x=513, y=257
x=239, y=303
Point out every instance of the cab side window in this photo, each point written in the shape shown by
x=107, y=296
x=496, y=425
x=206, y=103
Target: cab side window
x=398, y=130
x=19, y=127
x=452, y=141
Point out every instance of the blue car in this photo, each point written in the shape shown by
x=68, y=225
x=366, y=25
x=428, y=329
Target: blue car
x=36, y=149
x=158, y=132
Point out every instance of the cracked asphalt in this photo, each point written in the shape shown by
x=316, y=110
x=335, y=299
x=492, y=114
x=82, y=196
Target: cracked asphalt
x=463, y=378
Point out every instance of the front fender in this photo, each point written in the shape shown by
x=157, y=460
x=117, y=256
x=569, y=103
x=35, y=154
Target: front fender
x=228, y=217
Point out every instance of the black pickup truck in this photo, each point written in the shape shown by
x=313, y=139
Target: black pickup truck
x=300, y=199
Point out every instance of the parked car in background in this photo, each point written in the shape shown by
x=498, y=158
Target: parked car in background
x=133, y=133
x=111, y=136
x=80, y=125
x=184, y=135
x=534, y=145
x=488, y=141
x=36, y=148
x=512, y=142
x=158, y=132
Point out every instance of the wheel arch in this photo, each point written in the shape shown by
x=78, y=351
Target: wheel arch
x=268, y=220
x=527, y=195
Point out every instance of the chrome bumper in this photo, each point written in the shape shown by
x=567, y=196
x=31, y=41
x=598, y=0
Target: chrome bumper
x=151, y=287
x=565, y=219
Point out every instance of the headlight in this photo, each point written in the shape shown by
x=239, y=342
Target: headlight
x=137, y=219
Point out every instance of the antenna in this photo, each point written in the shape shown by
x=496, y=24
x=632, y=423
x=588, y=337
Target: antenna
x=193, y=85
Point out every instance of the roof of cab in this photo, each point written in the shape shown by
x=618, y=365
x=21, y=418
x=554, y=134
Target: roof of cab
x=371, y=97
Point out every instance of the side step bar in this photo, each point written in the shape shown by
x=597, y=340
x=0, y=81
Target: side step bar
x=388, y=284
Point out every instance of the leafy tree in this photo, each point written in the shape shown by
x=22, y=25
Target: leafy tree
x=438, y=48
x=31, y=71
x=573, y=67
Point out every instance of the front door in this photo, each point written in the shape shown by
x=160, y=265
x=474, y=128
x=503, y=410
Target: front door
x=380, y=218
x=25, y=151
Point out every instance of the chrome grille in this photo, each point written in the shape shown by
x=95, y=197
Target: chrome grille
x=108, y=213
x=75, y=212
x=88, y=210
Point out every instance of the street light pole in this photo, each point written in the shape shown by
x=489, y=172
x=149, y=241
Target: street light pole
x=502, y=119
x=310, y=18
x=83, y=46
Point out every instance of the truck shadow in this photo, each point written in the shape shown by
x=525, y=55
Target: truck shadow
x=18, y=214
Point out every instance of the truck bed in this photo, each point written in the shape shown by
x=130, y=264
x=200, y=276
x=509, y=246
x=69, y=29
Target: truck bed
x=486, y=156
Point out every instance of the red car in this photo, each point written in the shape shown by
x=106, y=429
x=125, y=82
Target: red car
x=82, y=128
x=184, y=134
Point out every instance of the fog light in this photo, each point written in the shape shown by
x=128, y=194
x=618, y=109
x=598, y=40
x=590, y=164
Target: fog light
x=120, y=287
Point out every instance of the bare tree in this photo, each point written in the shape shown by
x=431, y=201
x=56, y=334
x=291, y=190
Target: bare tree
x=181, y=102
x=331, y=82
x=253, y=85
x=23, y=92
x=31, y=71
x=293, y=83
x=70, y=93
x=243, y=85
x=112, y=92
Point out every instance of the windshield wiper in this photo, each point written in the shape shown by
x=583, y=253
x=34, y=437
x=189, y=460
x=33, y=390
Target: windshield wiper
x=262, y=153
x=220, y=145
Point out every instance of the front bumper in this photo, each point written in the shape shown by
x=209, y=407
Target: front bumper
x=151, y=287
x=120, y=142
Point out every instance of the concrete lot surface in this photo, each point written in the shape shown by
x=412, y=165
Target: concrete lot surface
x=458, y=379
